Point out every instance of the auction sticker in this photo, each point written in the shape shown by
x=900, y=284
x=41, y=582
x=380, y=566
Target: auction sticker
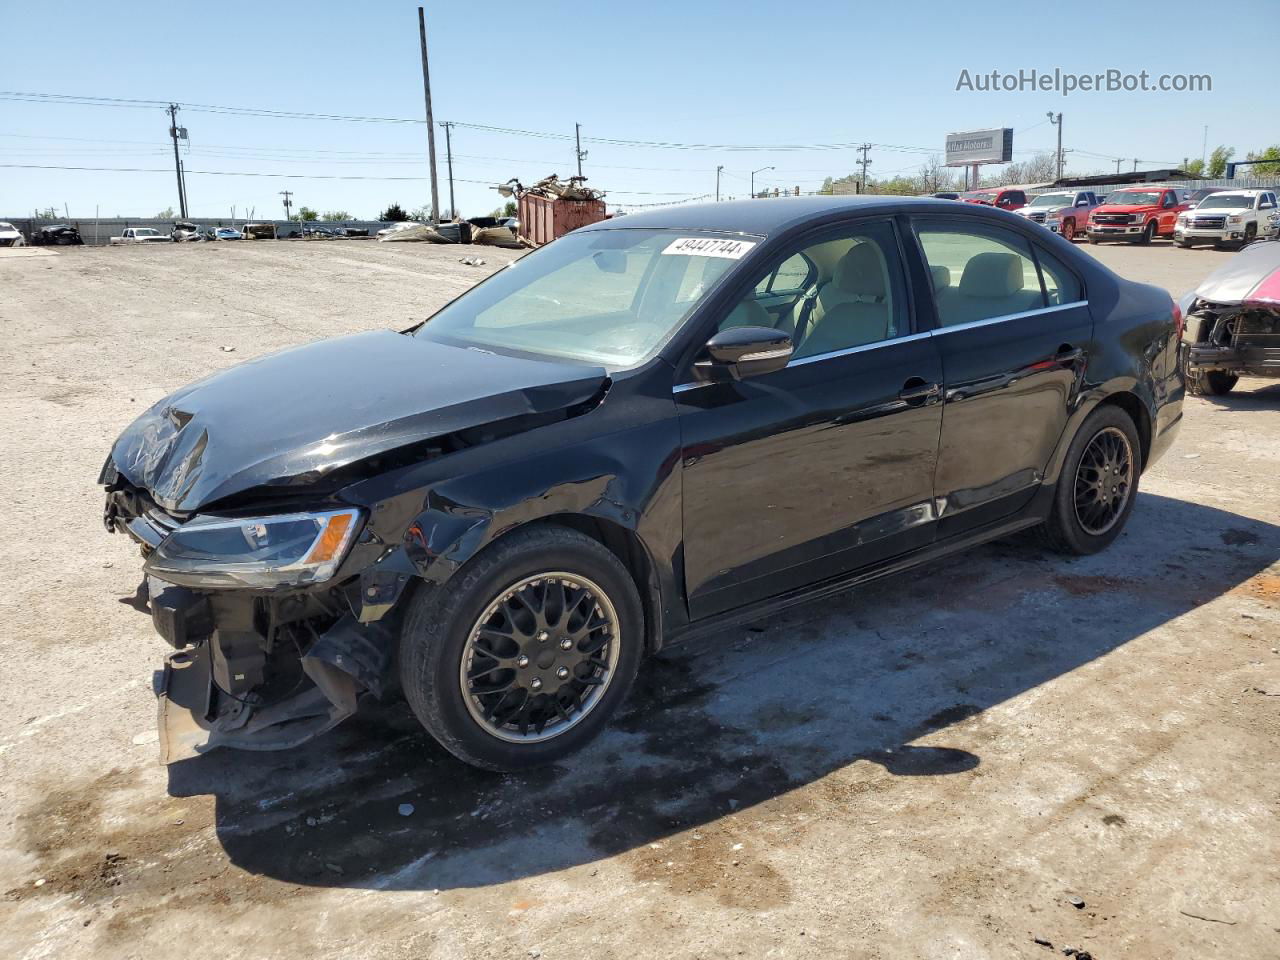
x=709, y=247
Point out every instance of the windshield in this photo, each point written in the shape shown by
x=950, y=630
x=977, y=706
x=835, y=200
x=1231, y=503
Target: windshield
x=1053, y=200
x=146, y=232
x=5, y=225
x=610, y=297
x=1134, y=197
x=1229, y=201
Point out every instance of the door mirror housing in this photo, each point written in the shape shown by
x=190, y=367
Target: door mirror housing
x=741, y=352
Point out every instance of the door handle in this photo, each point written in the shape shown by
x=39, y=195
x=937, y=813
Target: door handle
x=919, y=392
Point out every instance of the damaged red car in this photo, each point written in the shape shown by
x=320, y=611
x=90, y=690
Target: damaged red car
x=1232, y=324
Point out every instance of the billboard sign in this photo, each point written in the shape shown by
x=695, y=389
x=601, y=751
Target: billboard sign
x=980, y=146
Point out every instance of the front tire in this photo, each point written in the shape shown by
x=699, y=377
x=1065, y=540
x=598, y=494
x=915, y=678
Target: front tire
x=1211, y=383
x=525, y=654
x=1069, y=231
x=1148, y=234
x=1098, y=484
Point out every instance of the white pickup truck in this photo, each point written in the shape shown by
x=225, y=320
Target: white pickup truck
x=140, y=235
x=1235, y=216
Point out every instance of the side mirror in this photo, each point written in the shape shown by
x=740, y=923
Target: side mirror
x=740, y=352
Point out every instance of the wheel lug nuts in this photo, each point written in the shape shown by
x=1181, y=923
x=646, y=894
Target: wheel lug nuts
x=535, y=683
x=543, y=636
x=522, y=661
x=566, y=643
x=563, y=673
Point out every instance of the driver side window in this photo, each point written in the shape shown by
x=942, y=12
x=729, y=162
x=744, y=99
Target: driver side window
x=846, y=290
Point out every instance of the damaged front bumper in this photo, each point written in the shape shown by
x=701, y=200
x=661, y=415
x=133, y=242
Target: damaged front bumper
x=259, y=669
x=232, y=683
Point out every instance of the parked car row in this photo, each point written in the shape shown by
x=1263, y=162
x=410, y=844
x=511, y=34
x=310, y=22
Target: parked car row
x=1214, y=215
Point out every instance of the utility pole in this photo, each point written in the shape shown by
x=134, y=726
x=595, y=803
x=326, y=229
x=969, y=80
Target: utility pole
x=177, y=163
x=1057, y=122
x=1118, y=162
x=286, y=194
x=448, y=157
x=718, y=171
x=578, y=151
x=862, y=183
x=1135, y=164
x=431, y=127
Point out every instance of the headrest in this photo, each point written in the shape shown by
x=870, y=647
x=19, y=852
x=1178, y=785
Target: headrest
x=860, y=273
x=992, y=275
x=941, y=277
x=748, y=313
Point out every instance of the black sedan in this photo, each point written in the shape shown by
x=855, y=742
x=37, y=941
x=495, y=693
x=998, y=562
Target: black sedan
x=651, y=427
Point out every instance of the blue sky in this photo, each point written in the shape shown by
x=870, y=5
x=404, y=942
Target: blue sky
x=740, y=73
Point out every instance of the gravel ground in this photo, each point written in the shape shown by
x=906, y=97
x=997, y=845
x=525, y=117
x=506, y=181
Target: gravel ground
x=929, y=767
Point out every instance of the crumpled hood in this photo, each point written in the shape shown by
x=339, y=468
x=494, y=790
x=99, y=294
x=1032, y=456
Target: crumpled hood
x=296, y=415
x=1252, y=276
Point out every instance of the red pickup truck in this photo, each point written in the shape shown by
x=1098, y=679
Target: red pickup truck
x=1136, y=214
x=1004, y=198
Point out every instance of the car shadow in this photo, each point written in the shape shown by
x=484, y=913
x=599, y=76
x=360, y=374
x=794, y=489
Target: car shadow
x=1251, y=393
x=731, y=721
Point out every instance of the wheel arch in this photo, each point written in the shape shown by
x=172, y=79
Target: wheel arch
x=623, y=542
x=1132, y=405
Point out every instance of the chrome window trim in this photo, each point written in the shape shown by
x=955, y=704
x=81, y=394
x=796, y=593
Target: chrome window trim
x=861, y=348
x=1003, y=318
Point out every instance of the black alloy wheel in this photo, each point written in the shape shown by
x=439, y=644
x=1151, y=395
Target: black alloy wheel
x=1098, y=484
x=1103, y=481
x=524, y=654
x=540, y=657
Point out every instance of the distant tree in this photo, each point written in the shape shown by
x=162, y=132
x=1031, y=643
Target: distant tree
x=1269, y=169
x=1194, y=168
x=165, y=214
x=1042, y=168
x=934, y=177
x=393, y=214
x=48, y=213
x=509, y=209
x=306, y=213
x=422, y=213
x=335, y=215
x=1218, y=161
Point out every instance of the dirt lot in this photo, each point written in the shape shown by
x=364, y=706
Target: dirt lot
x=930, y=767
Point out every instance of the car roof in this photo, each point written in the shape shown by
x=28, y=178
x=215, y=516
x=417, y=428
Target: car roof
x=766, y=217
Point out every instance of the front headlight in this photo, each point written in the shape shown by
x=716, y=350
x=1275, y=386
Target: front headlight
x=1137, y=217
x=292, y=549
x=1182, y=221
x=1235, y=218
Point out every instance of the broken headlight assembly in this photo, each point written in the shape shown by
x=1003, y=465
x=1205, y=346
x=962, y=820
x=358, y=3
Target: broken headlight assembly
x=288, y=550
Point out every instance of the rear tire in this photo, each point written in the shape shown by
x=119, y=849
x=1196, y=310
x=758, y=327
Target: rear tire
x=1185, y=244
x=508, y=621
x=1098, y=484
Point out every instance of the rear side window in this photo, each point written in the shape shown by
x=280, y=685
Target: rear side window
x=979, y=272
x=1060, y=284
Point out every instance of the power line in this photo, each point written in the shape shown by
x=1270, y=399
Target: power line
x=298, y=176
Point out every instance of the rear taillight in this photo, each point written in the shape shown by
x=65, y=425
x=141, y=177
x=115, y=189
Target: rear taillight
x=1178, y=320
